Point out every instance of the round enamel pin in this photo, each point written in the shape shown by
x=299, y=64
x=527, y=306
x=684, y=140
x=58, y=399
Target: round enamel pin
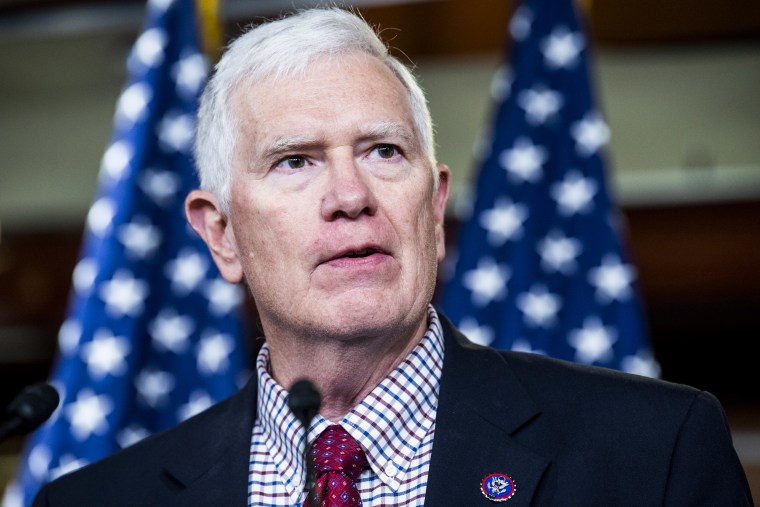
x=498, y=487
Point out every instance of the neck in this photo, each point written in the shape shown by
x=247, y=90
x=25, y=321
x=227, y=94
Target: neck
x=344, y=370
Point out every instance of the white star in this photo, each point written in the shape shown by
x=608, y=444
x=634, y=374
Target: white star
x=171, y=331
x=105, y=354
x=558, y=253
x=116, y=160
x=223, y=297
x=133, y=102
x=520, y=24
x=131, y=435
x=523, y=345
x=69, y=336
x=504, y=221
x=186, y=271
x=140, y=237
x=593, y=342
x=100, y=216
x=154, y=386
x=213, y=353
x=84, y=275
x=562, y=48
x=199, y=401
x=482, y=335
x=190, y=73
x=574, y=194
x=612, y=280
x=150, y=46
x=160, y=186
x=641, y=364
x=488, y=282
x=539, y=306
x=523, y=161
x=39, y=461
x=123, y=294
x=88, y=414
x=501, y=83
x=540, y=104
x=175, y=132
x=590, y=134
x=67, y=464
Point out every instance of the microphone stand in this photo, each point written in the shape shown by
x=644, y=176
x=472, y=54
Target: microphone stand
x=304, y=401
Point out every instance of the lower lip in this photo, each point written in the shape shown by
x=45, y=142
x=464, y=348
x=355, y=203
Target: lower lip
x=358, y=262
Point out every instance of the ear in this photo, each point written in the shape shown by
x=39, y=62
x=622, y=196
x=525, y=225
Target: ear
x=440, y=198
x=205, y=216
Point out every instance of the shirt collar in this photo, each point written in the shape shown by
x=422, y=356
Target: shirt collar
x=389, y=423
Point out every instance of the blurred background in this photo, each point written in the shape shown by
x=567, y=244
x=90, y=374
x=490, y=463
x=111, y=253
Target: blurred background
x=677, y=81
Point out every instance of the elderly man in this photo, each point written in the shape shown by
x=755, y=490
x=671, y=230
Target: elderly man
x=320, y=190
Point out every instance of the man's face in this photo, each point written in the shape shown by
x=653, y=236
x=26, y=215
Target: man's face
x=333, y=216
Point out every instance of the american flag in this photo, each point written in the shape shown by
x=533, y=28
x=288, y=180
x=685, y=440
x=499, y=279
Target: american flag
x=153, y=333
x=540, y=265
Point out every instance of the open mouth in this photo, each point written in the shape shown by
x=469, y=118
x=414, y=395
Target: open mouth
x=365, y=252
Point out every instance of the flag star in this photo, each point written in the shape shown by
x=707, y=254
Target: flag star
x=186, y=271
x=520, y=24
x=590, y=134
x=87, y=414
x=574, y=194
x=140, y=237
x=641, y=364
x=160, y=186
x=612, y=280
x=562, y=48
x=539, y=306
x=539, y=104
x=39, y=461
x=175, y=132
x=160, y=4
x=223, y=297
x=482, y=335
x=149, y=47
x=523, y=345
x=199, y=401
x=116, y=159
x=123, y=294
x=504, y=221
x=69, y=336
x=487, y=282
x=213, y=353
x=524, y=160
x=131, y=435
x=171, y=331
x=105, y=354
x=593, y=342
x=190, y=73
x=133, y=102
x=67, y=464
x=84, y=275
x=558, y=253
x=100, y=216
x=154, y=386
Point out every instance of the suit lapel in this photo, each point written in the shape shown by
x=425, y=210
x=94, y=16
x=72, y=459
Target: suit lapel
x=481, y=407
x=216, y=472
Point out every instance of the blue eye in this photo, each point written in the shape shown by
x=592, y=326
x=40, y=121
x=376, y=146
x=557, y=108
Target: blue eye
x=293, y=162
x=386, y=150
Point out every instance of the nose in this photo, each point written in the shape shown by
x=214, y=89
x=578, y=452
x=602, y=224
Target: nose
x=348, y=194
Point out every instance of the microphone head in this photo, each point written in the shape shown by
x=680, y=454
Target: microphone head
x=304, y=401
x=33, y=406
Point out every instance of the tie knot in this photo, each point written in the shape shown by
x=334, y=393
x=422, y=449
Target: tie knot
x=337, y=451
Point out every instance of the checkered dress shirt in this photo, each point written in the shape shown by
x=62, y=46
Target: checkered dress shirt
x=394, y=423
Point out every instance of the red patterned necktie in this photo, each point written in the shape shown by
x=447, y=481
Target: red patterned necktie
x=338, y=461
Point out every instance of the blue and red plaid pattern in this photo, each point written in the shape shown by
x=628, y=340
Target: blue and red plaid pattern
x=394, y=424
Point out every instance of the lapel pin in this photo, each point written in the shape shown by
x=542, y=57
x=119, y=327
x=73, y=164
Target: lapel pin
x=498, y=487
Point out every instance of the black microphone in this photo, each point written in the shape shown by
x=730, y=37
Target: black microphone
x=29, y=409
x=304, y=401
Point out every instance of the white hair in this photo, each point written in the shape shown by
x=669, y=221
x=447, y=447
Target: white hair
x=281, y=49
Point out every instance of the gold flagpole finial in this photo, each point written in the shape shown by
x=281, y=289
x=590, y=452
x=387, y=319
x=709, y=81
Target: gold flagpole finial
x=210, y=28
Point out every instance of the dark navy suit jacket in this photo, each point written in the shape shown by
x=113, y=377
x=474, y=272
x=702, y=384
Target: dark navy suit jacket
x=568, y=435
